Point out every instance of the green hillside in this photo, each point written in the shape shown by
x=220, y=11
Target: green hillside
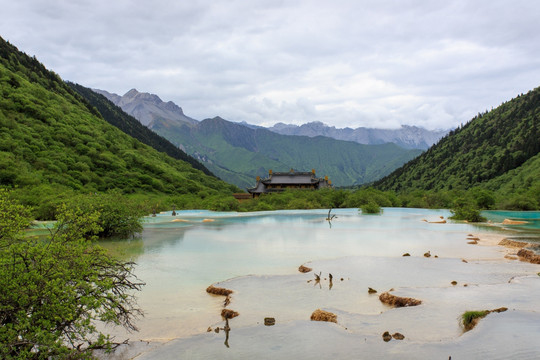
x=238, y=153
x=131, y=126
x=52, y=143
x=496, y=150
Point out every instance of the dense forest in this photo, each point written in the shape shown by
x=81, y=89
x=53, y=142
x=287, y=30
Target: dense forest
x=53, y=144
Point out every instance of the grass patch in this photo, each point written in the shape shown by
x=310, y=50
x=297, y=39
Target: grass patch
x=470, y=318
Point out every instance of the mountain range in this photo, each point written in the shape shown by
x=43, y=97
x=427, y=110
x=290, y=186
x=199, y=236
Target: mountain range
x=148, y=107
x=237, y=153
x=409, y=137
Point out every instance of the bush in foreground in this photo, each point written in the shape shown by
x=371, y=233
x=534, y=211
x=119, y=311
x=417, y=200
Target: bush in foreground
x=55, y=289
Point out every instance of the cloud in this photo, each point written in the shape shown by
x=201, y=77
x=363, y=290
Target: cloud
x=350, y=63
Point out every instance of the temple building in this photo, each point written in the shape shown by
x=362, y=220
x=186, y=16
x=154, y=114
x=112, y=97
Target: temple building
x=279, y=181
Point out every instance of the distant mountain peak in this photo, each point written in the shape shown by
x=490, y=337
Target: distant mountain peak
x=131, y=93
x=147, y=107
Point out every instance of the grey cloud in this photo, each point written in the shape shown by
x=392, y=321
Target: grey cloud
x=350, y=63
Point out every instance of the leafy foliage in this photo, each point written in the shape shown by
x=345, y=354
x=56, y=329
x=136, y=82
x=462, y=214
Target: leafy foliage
x=118, y=215
x=371, y=208
x=54, y=289
x=464, y=210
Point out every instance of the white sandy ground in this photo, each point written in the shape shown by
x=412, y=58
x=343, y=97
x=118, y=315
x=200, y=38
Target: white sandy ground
x=485, y=280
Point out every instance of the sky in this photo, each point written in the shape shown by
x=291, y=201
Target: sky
x=354, y=63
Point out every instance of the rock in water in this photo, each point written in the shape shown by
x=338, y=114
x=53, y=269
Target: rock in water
x=269, y=321
x=398, y=301
x=321, y=315
x=398, y=336
x=386, y=336
x=228, y=314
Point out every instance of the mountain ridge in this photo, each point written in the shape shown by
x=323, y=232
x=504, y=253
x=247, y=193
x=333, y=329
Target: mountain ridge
x=408, y=137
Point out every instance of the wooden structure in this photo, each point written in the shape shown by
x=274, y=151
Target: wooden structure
x=279, y=181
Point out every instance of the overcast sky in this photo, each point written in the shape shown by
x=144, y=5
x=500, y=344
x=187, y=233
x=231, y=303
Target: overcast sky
x=346, y=63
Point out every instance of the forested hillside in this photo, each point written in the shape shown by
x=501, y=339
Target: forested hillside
x=133, y=127
x=496, y=150
x=53, y=144
x=238, y=153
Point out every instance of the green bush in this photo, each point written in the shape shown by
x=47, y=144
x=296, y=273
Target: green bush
x=371, y=208
x=55, y=289
x=465, y=210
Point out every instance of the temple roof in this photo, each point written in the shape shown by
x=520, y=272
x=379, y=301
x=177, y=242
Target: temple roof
x=291, y=178
x=287, y=178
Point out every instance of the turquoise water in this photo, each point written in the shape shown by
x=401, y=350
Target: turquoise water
x=531, y=217
x=258, y=254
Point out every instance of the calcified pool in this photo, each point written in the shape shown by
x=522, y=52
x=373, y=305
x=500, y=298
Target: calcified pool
x=257, y=255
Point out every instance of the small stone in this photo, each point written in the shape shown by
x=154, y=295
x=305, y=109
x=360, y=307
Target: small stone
x=304, y=269
x=436, y=256
x=406, y=254
x=465, y=261
x=269, y=321
x=386, y=336
x=217, y=330
x=209, y=329
x=372, y=291
x=454, y=282
x=428, y=254
x=398, y=336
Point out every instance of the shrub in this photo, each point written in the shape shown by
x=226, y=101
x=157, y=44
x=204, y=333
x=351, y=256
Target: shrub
x=54, y=289
x=371, y=208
